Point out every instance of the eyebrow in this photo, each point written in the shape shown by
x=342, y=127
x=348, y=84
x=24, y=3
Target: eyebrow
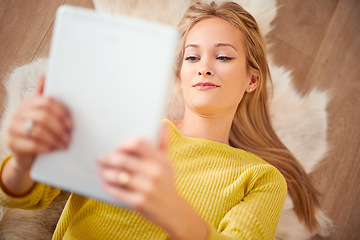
x=225, y=45
x=191, y=45
x=216, y=45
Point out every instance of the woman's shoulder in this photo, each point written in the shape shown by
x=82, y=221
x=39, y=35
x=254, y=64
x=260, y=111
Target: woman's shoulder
x=223, y=152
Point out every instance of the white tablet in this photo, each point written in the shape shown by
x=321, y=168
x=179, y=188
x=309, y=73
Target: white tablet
x=113, y=74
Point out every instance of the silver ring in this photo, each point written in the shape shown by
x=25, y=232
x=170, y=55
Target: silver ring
x=124, y=178
x=28, y=125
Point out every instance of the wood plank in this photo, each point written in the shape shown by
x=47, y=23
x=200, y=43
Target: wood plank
x=23, y=25
x=338, y=58
x=298, y=33
x=296, y=61
x=339, y=174
x=44, y=48
x=336, y=68
x=302, y=24
x=25, y=33
x=318, y=39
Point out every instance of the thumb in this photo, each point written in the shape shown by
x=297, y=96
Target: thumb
x=163, y=138
x=40, y=85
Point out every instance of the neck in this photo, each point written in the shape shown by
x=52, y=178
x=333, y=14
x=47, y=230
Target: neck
x=214, y=128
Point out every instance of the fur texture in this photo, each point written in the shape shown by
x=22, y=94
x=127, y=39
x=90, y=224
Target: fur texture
x=303, y=131
x=16, y=224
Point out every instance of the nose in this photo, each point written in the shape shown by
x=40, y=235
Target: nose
x=205, y=67
x=202, y=73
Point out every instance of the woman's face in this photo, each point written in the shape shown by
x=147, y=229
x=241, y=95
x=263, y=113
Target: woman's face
x=214, y=73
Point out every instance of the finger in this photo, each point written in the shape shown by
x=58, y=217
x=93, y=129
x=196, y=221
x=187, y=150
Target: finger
x=132, y=164
x=149, y=170
x=140, y=147
x=49, y=125
x=35, y=136
x=46, y=105
x=137, y=183
x=46, y=128
x=27, y=146
x=40, y=85
x=44, y=136
x=110, y=175
x=131, y=199
x=55, y=108
x=119, y=160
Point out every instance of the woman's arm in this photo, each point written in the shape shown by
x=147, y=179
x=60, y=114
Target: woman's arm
x=39, y=196
x=139, y=174
x=39, y=125
x=15, y=180
x=257, y=215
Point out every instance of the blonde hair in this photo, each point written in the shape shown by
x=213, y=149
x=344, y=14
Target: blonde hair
x=251, y=128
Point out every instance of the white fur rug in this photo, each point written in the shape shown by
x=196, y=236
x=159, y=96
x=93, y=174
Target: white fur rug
x=300, y=121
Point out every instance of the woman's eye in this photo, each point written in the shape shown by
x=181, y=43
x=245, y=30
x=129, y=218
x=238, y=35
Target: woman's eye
x=191, y=58
x=224, y=58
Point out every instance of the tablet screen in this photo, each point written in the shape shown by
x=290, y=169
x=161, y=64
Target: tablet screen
x=113, y=74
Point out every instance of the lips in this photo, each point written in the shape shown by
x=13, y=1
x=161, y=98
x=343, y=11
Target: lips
x=205, y=86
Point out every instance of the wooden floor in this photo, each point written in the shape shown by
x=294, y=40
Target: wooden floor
x=319, y=40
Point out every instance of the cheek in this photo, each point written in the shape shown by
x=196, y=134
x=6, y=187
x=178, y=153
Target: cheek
x=235, y=76
x=185, y=74
x=182, y=75
x=237, y=80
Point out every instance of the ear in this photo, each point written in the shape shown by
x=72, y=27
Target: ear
x=254, y=82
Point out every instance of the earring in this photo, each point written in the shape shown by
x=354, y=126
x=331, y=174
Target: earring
x=250, y=89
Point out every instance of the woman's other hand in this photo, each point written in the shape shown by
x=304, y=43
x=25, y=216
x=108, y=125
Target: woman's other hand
x=139, y=174
x=39, y=125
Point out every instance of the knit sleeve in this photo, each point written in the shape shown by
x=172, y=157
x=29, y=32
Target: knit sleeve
x=257, y=215
x=40, y=196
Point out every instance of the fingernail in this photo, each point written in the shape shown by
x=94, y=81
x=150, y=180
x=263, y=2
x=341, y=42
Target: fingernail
x=68, y=123
x=65, y=138
x=62, y=146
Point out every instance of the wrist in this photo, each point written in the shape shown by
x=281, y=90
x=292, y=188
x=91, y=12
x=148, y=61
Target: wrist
x=22, y=163
x=14, y=179
x=186, y=224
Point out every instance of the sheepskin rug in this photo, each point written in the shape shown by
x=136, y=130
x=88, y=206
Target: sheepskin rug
x=300, y=121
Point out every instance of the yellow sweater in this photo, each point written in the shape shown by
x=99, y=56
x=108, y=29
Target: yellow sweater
x=238, y=194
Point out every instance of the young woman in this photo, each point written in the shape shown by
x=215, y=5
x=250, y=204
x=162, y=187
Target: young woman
x=210, y=178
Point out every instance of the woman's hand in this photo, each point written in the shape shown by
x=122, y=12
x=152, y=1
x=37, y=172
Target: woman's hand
x=139, y=174
x=39, y=125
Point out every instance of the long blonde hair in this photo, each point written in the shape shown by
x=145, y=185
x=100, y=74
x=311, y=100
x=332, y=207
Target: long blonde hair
x=251, y=128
